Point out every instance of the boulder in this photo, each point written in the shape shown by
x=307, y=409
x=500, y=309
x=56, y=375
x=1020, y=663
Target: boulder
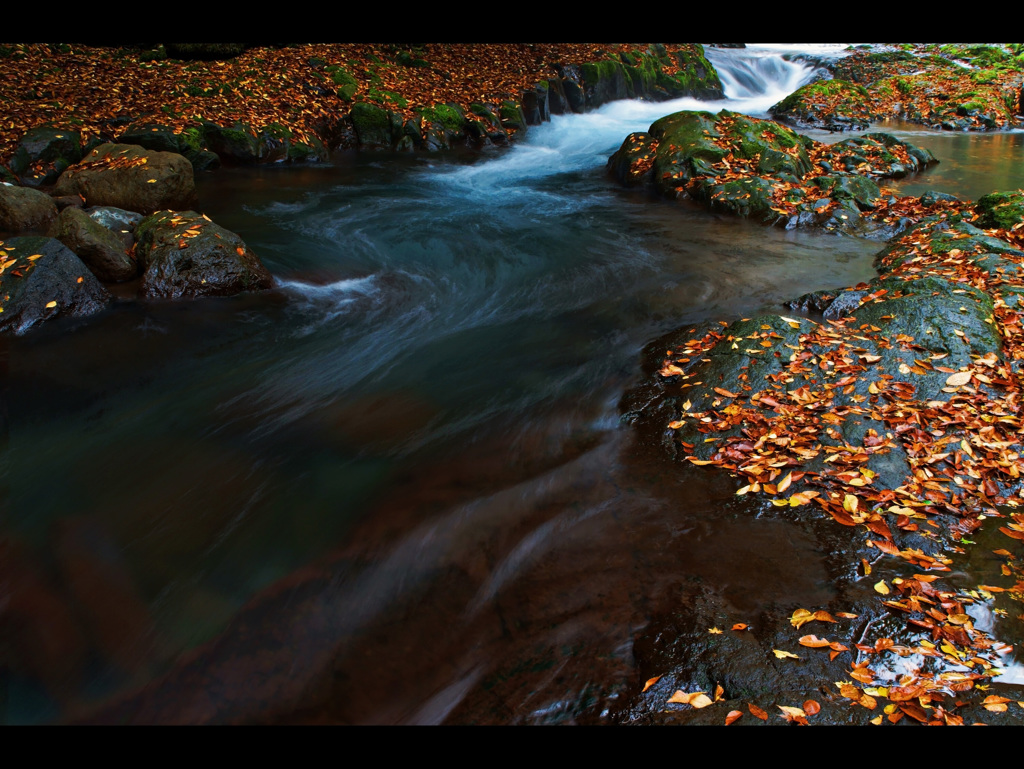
x=23, y=209
x=834, y=105
x=41, y=279
x=44, y=153
x=1000, y=209
x=100, y=248
x=130, y=177
x=371, y=124
x=236, y=144
x=184, y=254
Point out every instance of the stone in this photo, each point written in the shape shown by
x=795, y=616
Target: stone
x=130, y=177
x=23, y=209
x=101, y=249
x=212, y=262
x=56, y=284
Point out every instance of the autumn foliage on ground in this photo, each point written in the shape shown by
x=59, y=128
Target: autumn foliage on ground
x=95, y=90
x=963, y=450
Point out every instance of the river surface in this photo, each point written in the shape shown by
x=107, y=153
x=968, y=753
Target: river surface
x=396, y=489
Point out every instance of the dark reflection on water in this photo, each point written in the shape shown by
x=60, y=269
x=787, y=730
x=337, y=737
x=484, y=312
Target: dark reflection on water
x=394, y=488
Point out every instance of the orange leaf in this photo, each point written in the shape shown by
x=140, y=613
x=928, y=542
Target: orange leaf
x=811, y=707
x=651, y=682
x=240, y=251
x=757, y=712
x=813, y=641
x=734, y=715
x=739, y=626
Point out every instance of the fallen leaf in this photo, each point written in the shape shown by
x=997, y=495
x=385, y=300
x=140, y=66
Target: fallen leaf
x=51, y=304
x=651, y=682
x=791, y=711
x=811, y=707
x=757, y=712
x=813, y=642
x=715, y=631
x=733, y=717
x=783, y=655
x=958, y=379
x=739, y=626
x=881, y=587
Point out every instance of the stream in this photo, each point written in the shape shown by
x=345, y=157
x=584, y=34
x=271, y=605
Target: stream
x=396, y=488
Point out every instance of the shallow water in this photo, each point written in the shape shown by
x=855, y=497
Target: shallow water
x=396, y=488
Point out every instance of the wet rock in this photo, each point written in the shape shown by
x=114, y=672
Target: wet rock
x=849, y=106
x=130, y=177
x=23, y=209
x=68, y=201
x=184, y=254
x=236, y=144
x=1000, y=209
x=100, y=248
x=931, y=197
x=372, y=127
x=57, y=284
x=44, y=153
x=632, y=163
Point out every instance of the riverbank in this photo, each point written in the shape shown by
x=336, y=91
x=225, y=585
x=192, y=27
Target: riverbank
x=298, y=102
x=891, y=407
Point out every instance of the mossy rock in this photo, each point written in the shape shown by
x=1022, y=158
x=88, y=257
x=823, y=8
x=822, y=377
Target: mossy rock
x=860, y=189
x=341, y=76
x=1000, y=209
x=44, y=153
x=371, y=123
x=448, y=115
x=237, y=143
x=750, y=197
x=826, y=104
x=631, y=163
x=512, y=116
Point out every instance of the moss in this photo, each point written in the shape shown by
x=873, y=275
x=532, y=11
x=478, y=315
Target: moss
x=445, y=114
x=1001, y=209
x=340, y=76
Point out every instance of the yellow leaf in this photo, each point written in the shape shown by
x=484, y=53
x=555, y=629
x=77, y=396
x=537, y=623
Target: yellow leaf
x=714, y=631
x=958, y=379
x=150, y=181
x=51, y=304
x=801, y=617
x=877, y=721
x=784, y=483
x=881, y=587
x=791, y=711
x=651, y=682
x=701, y=700
x=783, y=655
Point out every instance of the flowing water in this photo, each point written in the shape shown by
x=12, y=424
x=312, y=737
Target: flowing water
x=396, y=487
